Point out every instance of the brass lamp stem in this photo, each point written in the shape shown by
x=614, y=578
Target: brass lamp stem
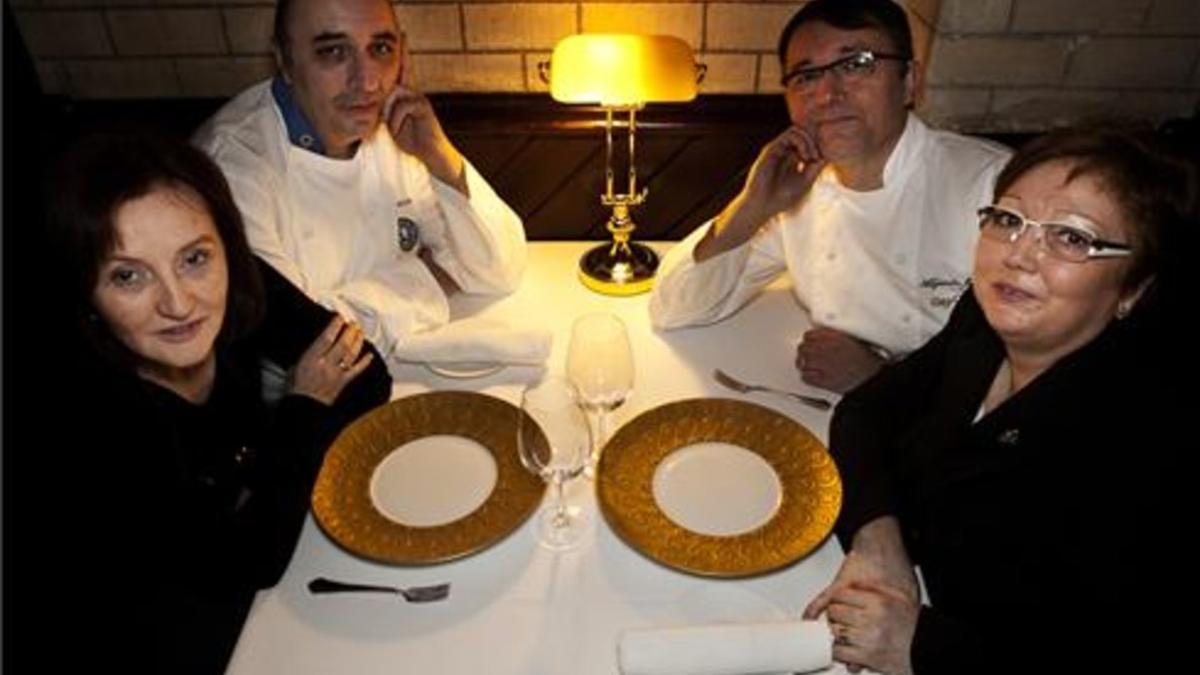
x=621, y=268
x=621, y=226
x=632, y=147
x=608, y=155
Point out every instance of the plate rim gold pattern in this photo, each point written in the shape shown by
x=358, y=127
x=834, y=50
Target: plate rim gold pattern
x=341, y=501
x=808, y=509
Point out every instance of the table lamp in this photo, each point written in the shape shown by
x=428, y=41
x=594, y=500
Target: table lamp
x=621, y=73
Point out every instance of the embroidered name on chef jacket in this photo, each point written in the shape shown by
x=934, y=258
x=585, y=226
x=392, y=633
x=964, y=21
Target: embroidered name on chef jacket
x=944, y=292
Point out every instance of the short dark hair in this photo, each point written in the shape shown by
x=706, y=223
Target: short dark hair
x=104, y=171
x=1155, y=190
x=883, y=15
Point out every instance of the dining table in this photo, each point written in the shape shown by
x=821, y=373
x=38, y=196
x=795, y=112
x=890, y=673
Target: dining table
x=516, y=607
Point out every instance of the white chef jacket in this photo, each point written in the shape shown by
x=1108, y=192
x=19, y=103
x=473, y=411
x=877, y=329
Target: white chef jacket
x=330, y=225
x=885, y=266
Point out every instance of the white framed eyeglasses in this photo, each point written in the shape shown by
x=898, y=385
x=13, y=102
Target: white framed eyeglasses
x=1072, y=242
x=851, y=68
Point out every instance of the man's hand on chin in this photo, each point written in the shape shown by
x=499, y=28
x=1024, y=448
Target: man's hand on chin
x=415, y=127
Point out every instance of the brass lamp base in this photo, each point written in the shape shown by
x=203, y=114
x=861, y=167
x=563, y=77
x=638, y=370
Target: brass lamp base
x=627, y=271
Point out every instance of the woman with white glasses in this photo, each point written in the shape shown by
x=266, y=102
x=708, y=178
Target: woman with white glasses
x=1030, y=460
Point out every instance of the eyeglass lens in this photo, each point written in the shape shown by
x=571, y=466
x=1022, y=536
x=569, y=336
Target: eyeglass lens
x=1064, y=241
x=852, y=67
x=858, y=64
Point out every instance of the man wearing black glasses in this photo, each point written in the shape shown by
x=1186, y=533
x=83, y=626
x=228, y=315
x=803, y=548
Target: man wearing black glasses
x=869, y=211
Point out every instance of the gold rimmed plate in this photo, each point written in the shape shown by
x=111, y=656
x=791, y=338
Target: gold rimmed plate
x=717, y=487
x=426, y=479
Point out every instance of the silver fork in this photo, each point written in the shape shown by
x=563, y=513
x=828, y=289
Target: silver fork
x=737, y=385
x=412, y=594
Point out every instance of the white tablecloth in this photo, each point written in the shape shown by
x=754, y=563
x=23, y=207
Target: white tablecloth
x=518, y=608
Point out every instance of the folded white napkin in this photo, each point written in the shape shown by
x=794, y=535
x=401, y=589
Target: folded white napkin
x=476, y=341
x=727, y=649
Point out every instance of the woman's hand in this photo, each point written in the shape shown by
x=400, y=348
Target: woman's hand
x=330, y=362
x=876, y=558
x=873, y=626
x=877, y=555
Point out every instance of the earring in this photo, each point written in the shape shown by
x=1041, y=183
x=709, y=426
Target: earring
x=1123, y=308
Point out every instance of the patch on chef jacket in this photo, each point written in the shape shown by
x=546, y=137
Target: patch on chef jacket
x=943, y=292
x=408, y=233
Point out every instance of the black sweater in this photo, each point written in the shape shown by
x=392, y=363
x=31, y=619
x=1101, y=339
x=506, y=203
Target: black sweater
x=1044, y=531
x=167, y=517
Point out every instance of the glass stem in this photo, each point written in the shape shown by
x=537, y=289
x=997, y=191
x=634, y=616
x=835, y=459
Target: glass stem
x=601, y=434
x=561, y=519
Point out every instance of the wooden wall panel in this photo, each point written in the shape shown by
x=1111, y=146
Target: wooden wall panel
x=578, y=202
x=699, y=181
x=693, y=157
x=490, y=154
x=538, y=175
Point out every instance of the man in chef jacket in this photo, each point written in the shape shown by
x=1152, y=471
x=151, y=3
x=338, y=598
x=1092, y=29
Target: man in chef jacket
x=868, y=210
x=349, y=186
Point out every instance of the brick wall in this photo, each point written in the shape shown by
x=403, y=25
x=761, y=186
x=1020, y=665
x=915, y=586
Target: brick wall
x=1025, y=65
x=993, y=65
x=152, y=48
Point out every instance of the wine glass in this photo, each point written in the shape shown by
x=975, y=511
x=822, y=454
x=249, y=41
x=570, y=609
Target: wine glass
x=600, y=363
x=553, y=439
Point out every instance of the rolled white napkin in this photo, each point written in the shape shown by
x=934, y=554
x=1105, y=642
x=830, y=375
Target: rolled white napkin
x=476, y=341
x=727, y=649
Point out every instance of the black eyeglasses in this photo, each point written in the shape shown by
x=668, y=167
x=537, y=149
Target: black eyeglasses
x=851, y=68
x=1072, y=243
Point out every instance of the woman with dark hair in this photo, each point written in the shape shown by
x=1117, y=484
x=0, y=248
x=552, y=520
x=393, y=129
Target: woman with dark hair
x=202, y=486
x=1029, y=460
